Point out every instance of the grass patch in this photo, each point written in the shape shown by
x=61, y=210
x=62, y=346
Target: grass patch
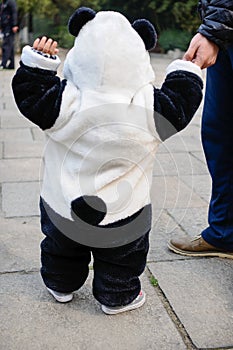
x=154, y=282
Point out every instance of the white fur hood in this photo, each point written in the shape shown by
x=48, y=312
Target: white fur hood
x=109, y=56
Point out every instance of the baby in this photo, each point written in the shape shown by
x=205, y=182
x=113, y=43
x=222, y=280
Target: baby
x=103, y=124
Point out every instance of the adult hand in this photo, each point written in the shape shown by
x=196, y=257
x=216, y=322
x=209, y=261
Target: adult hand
x=15, y=29
x=46, y=45
x=201, y=51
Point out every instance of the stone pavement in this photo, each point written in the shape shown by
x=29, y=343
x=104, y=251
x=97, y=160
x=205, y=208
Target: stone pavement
x=189, y=300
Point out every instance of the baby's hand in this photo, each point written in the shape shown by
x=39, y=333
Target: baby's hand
x=46, y=45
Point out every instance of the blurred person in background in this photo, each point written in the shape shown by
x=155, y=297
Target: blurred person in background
x=8, y=27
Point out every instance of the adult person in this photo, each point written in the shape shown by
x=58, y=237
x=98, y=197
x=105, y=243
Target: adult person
x=212, y=48
x=8, y=25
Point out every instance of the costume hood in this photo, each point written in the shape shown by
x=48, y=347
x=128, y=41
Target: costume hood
x=108, y=55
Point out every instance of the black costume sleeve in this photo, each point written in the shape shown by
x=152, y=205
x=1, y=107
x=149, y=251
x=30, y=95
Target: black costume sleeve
x=38, y=95
x=217, y=21
x=176, y=102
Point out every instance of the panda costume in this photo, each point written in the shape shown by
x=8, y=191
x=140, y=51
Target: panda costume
x=103, y=123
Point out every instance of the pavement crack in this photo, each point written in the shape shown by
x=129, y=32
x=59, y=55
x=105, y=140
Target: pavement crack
x=173, y=218
x=173, y=316
x=21, y=272
x=195, y=156
x=32, y=135
x=170, y=260
x=221, y=348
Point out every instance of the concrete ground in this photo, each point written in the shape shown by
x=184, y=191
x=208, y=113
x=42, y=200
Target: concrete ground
x=189, y=300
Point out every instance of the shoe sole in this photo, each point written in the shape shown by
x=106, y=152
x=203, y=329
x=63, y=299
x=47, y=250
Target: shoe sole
x=129, y=307
x=201, y=254
x=64, y=299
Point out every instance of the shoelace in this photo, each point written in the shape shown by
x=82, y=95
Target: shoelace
x=195, y=238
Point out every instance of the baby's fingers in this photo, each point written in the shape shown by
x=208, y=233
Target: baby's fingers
x=53, y=48
x=41, y=43
x=46, y=45
x=36, y=43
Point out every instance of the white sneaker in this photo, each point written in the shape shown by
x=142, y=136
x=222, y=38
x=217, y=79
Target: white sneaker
x=136, y=303
x=61, y=297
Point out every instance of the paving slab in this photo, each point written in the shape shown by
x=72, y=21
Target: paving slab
x=13, y=119
x=21, y=149
x=197, y=120
x=15, y=170
x=156, y=63
x=1, y=150
x=38, y=134
x=178, y=144
x=181, y=142
x=20, y=244
x=193, y=129
x=177, y=222
x=170, y=192
x=6, y=85
x=8, y=101
x=13, y=135
x=200, y=184
x=33, y=320
x=163, y=227
x=178, y=164
x=191, y=220
x=11, y=112
x=20, y=199
x=200, y=293
x=199, y=155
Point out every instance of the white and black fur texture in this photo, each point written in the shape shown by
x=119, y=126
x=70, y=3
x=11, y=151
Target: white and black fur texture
x=104, y=122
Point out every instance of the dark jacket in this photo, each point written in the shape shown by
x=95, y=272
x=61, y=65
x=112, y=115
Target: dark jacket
x=217, y=21
x=8, y=15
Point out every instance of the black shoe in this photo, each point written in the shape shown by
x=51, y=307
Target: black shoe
x=8, y=68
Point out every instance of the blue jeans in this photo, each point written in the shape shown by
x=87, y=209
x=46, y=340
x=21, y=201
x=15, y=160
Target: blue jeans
x=217, y=139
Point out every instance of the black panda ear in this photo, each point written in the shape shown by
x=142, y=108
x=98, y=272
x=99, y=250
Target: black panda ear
x=80, y=17
x=146, y=31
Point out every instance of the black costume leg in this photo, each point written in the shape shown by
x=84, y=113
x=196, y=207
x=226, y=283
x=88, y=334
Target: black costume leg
x=64, y=261
x=117, y=270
